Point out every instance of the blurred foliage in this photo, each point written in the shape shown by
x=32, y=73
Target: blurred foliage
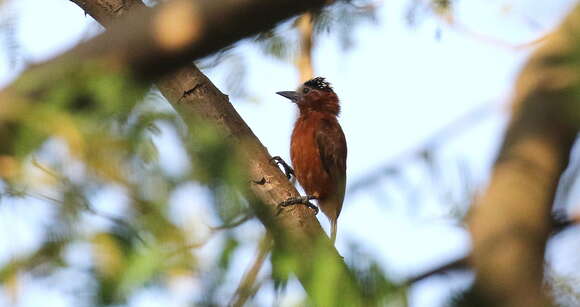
x=343, y=19
x=378, y=289
x=565, y=289
x=75, y=141
x=418, y=10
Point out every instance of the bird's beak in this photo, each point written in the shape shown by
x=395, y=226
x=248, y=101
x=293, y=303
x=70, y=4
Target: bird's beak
x=292, y=95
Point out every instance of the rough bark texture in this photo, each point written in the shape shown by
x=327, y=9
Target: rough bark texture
x=107, y=11
x=511, y=222
x=194, y=96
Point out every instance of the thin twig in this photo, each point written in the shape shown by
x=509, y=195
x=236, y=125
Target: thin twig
x=248, y=286
x=212, y=231
x=454, y=265
x=305, y=27
x=452, y=22
x=244, y=218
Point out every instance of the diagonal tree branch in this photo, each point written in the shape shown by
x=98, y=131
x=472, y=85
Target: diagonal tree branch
x=511, y=222
x=150, y=43
x=296, y=231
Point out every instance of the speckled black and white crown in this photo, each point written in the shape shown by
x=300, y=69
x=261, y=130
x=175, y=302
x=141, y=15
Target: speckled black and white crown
x=319, y=83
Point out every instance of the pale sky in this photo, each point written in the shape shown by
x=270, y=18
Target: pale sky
x=397, y=86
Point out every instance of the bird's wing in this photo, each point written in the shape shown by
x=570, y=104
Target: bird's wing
x=332, y=148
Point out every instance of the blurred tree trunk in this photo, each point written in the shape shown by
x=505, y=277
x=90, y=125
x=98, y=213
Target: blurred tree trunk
x=510, y=223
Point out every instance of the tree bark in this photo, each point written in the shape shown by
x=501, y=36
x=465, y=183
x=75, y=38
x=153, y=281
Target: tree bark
x=296, y=230
x=511, y=222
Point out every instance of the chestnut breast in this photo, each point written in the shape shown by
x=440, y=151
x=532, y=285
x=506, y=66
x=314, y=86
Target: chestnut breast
x=306, y=156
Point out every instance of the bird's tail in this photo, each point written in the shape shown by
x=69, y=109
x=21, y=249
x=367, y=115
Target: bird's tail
x=333, y=226
x=331, y=208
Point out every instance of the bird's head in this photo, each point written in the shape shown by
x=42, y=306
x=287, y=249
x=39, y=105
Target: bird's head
x=314, y=95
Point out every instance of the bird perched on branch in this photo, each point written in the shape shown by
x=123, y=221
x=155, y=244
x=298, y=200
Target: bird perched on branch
x=318, y=148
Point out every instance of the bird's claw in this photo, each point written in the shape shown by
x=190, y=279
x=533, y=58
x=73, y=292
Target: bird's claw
x=288, y=171
x=300, y=200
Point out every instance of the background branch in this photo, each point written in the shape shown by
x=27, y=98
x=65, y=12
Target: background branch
x=559, y=224
x=305, y=26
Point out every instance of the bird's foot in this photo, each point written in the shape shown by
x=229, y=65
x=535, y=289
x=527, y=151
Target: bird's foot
x=300, y=200
x=288, y=171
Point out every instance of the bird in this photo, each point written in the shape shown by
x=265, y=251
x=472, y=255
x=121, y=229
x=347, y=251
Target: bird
x=318, y=148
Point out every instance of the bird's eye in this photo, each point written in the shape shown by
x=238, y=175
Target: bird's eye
x=305, y=90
